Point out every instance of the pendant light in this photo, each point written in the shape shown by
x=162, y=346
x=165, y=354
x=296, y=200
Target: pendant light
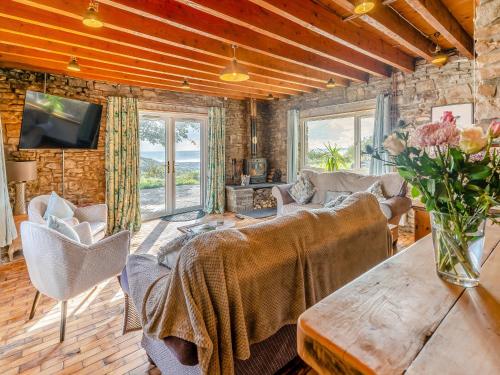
x=439, y=58
x=331, y=83
x=91, y=17
x=73, y=65
x=363, y=6
x=234, y=72
x=185, y=85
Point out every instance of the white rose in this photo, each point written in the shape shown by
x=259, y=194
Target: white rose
x=394, y=145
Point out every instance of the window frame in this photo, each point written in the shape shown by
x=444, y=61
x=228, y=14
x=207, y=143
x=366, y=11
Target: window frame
x=358, y=115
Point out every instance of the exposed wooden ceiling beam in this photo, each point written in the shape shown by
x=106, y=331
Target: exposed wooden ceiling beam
x=198, y=22
x=149, y=26
x=390, y=23
x=440, y=18
x=276, y=25
x=318, y=20
x=275, y=73
x=55, y=66
x=125, y=59
x=24, y=46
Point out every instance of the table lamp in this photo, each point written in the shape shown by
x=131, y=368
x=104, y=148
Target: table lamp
x=19, y=172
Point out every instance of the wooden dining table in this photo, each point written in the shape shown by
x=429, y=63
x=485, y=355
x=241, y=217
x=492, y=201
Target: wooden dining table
x=400, y=317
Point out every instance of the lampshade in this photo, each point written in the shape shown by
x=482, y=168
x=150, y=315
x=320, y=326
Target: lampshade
x=331, y=83
x=363, y=6
x=91, y=17
x=18, y=171
x=73, y=65
x=234, y=72
x=185, y=85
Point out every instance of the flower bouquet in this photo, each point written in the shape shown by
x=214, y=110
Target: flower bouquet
x=456, y=174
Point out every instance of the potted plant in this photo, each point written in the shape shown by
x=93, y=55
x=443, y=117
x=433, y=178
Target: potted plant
x=456, y=174
x=334, y=160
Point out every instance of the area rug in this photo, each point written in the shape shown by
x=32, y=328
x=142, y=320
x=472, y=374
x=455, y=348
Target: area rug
x=260, y=214
x=185, y=216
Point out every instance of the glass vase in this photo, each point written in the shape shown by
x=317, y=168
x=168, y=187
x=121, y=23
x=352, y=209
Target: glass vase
x=458, y=248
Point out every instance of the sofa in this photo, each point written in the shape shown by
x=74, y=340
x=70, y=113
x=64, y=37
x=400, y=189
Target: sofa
x=280, y=268
x=393, y=186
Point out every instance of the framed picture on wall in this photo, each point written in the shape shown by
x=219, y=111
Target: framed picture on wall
x=463, y=111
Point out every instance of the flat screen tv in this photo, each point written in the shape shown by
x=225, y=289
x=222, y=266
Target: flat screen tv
x=55, y=122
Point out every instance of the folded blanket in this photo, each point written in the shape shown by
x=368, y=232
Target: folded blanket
x=231, y=288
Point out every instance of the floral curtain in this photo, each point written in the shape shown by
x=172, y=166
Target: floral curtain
x=122, y=165
x=216, y=172
x=7, y=227
x=382, y=128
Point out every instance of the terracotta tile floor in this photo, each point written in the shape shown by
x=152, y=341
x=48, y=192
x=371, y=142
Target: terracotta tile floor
x=94, y=342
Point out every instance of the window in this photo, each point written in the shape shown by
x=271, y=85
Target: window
x=344, y=135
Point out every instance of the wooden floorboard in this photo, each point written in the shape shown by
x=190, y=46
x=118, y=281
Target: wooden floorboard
x=94, y=342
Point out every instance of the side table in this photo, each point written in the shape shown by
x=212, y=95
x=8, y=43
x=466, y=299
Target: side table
x=422, y=225
x=17, y=245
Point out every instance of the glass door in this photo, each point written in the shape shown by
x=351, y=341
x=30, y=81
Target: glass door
x=187, y=164
x=172, y=164
x=153, y=165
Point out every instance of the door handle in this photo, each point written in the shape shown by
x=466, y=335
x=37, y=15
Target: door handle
x=173, y=167
x=168, y=167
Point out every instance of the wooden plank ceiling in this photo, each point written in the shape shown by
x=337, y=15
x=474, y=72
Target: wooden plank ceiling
x=289, y=47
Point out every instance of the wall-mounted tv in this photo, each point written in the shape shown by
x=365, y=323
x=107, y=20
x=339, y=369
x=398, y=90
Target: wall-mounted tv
x=55, y=122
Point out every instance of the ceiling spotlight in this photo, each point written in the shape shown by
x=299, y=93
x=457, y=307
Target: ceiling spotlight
x=185, y=85
x=363, y=6
x=91, y=17
x=73, y=65
x=234, y=72
x=331, y=84
x=270, y=97
x=439, y=58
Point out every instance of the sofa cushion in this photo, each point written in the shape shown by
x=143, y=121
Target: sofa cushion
x=302, y=190
x=337, y=201
x=57, y=207
x=333, y=195
x=392, y=183
x=62, y=227
x=376, y=190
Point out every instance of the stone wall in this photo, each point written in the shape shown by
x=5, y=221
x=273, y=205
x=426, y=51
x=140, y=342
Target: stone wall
x=487, y=34
x=84, y=169
x=416, y=94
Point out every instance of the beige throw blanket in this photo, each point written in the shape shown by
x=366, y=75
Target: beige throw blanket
x=232, y=288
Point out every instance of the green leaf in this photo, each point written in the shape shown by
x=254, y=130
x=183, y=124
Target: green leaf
x=415, y=192
x=431, y=186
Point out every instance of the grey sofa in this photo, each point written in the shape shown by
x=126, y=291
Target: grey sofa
x=393, y=185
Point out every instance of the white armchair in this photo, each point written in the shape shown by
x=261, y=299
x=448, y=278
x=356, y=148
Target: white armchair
x=96, y=215
x=62, y=268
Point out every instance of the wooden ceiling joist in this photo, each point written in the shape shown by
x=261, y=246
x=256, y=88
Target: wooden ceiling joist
x=318, y=20
x=58, y=67
x=39, y=52
x=440, y=18
x=192, y=20
x=163, y=65
x=288, y=47
x=388, y=22
x=275, y=72
x=278, y=27
x=135, y=22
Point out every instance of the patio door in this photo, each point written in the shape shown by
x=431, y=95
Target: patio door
x=172, y=163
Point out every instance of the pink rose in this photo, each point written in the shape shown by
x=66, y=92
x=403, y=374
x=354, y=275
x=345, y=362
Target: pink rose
x=494, y=129
x=473, y=140
x=436, y=134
